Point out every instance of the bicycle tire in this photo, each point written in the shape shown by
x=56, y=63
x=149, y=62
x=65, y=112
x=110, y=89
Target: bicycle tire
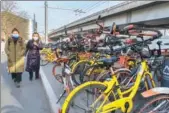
x=76, y=72
x=90, y=77
x=151, y=101
x=57, y=76
x=123, y=76
x=43, y=64
x=69, y=101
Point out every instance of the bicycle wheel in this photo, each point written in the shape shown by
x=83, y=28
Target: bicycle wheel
x=80, y=100
x=58, y=77
x=155, y=104
x=90, y=73
x=77, y=69
x=124, y=77
x=43, y=60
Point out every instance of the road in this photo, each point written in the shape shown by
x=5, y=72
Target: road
x=29, y=98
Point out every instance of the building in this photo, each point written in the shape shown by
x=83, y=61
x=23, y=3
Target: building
x=24, y=25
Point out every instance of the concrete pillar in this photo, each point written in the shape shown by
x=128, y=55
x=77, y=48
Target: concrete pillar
x=128, y=17
x=167, y=32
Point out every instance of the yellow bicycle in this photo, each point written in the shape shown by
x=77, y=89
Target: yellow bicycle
x=48, y=55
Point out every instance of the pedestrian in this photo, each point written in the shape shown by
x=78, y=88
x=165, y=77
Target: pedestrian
x=33, y=48
x=15, y=49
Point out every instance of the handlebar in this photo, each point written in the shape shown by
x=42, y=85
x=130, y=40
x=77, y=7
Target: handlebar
x=166, y=44
x=129, y=27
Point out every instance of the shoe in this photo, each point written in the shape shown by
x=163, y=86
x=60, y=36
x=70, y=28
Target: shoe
x=30, y=79
x=37, y=77
x=17, y=84
x=14, y=80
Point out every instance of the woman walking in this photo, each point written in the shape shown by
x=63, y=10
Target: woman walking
x=33, y=58
x=15, y=49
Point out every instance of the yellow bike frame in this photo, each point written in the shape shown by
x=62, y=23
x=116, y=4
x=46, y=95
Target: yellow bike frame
x=91, y=62
x=122, y=101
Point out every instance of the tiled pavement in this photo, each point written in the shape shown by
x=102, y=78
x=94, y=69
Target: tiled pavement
x=29, y=98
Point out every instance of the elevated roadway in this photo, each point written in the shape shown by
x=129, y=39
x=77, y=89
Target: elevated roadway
x=138, y=12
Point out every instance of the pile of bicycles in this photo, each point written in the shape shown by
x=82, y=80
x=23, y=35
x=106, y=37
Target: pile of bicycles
x=112, y=75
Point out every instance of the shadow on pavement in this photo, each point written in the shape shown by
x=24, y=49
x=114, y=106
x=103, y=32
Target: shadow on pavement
x=11, y=109
x=29, y=98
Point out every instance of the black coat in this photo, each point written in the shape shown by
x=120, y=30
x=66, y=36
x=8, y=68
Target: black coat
x=33, y=57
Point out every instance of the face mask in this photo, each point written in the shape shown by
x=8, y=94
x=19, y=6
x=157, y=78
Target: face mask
x=16, y=36
x=35, y=38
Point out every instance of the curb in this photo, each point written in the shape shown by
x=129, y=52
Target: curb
x=50, y=93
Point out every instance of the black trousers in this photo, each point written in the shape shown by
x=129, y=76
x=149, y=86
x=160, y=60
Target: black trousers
x=36, y=74
x=17, y=77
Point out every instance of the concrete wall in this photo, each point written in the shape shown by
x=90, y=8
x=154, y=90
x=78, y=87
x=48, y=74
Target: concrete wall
x=150, y=13
x=119, y=19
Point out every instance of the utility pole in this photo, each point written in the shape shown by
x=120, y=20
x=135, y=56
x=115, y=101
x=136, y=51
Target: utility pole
x=34, y=23
x=46, y=22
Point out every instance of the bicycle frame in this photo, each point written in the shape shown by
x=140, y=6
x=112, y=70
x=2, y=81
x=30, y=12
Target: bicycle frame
x=124, y=103
x=68, y=73
x=67, y=80
x=91, y=62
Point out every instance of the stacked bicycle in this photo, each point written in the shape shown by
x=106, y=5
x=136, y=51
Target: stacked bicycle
x=106, y=79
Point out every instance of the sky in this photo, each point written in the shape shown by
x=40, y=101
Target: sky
x=57, y=17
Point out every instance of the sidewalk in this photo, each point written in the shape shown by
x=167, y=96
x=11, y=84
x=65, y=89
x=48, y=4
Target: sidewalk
x=29, y=98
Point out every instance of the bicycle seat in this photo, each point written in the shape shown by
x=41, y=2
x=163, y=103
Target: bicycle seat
x=63, y=60
x=109, y=61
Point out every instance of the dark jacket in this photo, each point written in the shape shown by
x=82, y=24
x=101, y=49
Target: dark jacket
x=33, y=57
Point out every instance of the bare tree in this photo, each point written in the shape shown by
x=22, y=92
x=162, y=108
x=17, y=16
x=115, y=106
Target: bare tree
x=9, y=6
x=23, y=14
x=8, y=20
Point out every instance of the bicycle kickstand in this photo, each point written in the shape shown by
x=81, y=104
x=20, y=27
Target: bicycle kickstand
x=61, y=96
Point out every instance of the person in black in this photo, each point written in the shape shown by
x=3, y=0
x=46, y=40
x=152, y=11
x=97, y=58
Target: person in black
x=33, y=58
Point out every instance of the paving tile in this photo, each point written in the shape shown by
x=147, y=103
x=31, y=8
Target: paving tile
x=29, y=98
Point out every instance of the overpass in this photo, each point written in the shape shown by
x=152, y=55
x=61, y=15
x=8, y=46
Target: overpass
x=139, y=12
